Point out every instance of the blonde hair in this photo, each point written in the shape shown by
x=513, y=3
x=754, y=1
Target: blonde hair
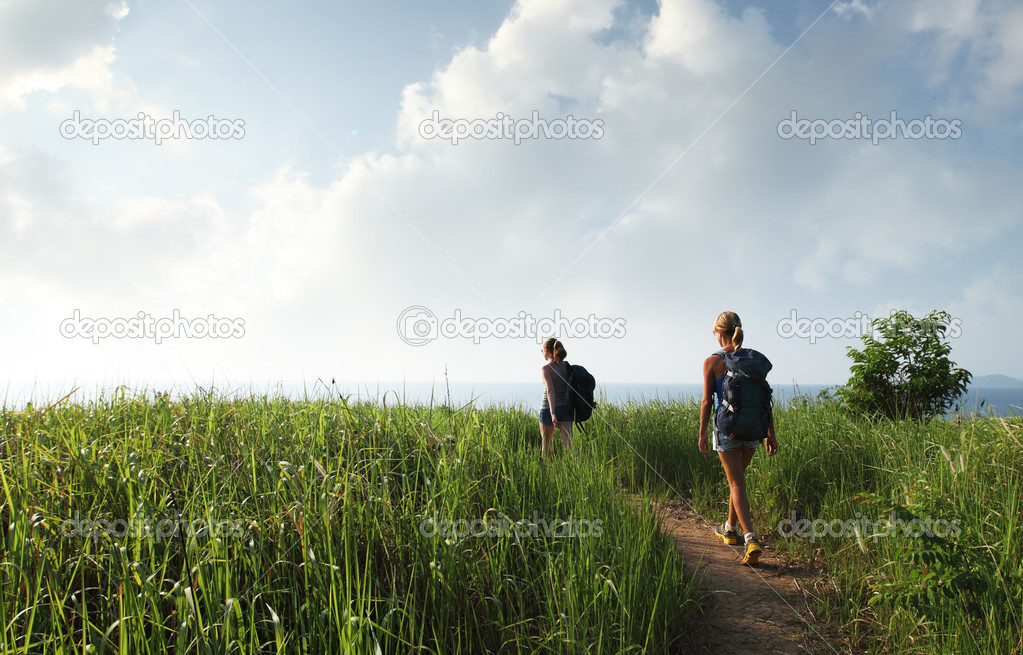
x=729, y=325
x=558, y=352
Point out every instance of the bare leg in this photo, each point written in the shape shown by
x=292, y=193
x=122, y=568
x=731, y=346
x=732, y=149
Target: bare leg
x=546, y=440
x=735, y=463
x=747, y=457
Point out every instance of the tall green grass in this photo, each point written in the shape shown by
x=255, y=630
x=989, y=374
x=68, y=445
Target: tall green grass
x=889, y=586
x=957, y=589
x=138, y=524
x=335, y=516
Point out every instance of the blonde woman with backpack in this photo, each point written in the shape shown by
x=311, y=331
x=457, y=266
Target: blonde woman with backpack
x=734, y=451
x=555, y=409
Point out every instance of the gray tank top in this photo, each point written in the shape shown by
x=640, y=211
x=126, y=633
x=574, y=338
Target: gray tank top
x=560, y=386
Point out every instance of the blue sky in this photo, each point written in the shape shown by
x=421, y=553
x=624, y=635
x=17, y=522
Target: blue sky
x=330, y=215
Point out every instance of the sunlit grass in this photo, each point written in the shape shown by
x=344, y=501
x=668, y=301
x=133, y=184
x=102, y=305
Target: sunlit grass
x=138, y=524
x=318, y=526
x=887, y=588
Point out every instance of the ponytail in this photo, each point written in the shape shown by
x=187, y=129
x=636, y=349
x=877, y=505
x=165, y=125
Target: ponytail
x=737, y=336
x=557, y=350
x=729, y=325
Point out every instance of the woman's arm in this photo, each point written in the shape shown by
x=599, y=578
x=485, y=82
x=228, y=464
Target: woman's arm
x=707, y=406
x=772, y=442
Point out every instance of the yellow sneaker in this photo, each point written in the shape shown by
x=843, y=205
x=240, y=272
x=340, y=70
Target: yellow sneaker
x=753, y=551
x=728, y=536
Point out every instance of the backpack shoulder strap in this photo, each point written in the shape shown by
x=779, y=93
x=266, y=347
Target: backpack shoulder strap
x=729, y=373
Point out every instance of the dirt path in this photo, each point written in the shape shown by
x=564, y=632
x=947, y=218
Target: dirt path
x=752, y=610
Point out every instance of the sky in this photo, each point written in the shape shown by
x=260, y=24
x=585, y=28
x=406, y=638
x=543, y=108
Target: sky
x=228, y=192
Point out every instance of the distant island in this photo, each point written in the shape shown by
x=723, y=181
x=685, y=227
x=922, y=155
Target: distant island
x=996, y=380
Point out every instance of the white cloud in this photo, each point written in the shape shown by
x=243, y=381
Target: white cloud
x=46, y=45
x=715, y=209
x=957, y=19
x=853, y=7
x=989, y=308
x=988, y=37
x=703, y=39
x=1004, y=74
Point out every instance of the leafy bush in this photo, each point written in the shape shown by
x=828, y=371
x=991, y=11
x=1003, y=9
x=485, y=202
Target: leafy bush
x=906, y=373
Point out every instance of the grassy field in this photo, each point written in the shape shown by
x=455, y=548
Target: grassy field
x=915, y=527
x=142, y=525
x=138, y=524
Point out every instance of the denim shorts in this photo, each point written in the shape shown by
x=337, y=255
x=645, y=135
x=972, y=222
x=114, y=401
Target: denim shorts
x=721, y=443
x=563, y=412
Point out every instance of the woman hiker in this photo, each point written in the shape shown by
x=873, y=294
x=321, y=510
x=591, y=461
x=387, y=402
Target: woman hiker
x=735, y=454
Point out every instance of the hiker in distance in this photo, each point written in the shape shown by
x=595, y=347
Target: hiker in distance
x=739, y=425
x=555, y=393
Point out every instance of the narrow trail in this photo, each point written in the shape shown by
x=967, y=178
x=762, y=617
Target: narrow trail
x=752, y=610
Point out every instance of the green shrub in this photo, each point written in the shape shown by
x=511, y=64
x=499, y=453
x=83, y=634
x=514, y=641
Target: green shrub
x=907, y=372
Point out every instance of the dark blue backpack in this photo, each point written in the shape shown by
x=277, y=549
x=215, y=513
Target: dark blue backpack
x=581, y=386
x=746, y=404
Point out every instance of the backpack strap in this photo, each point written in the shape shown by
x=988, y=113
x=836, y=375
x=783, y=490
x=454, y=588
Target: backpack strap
x=728, y=371
x=728, y=374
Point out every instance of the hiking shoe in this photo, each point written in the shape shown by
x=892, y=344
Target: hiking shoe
x=753, y=551
x=727, y=536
